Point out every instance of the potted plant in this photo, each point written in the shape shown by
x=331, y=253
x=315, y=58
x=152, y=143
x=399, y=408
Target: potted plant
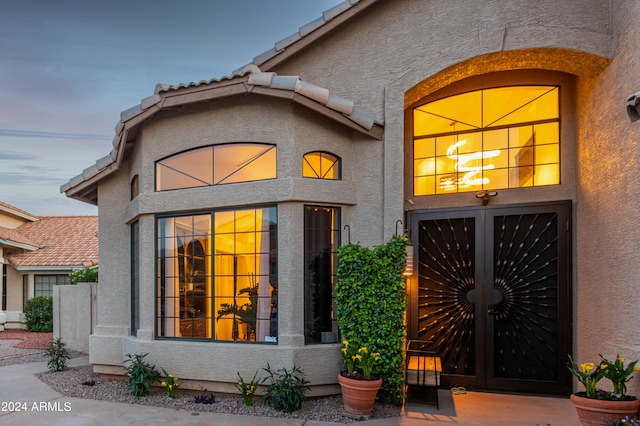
x=596, y=406
x=359, y=386
x=370, y=306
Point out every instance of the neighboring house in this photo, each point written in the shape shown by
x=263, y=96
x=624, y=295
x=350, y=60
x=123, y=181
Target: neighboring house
x=37, y=252
x=496, y=132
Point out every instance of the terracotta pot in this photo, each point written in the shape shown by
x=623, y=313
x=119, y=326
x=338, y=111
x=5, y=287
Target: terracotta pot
x=359, y=396
x=594, y=412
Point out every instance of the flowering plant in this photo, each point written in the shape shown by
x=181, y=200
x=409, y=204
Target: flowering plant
x=362, y=359
x=247, y=389
x=589, y=374
x=618, y=373
x=170, y=383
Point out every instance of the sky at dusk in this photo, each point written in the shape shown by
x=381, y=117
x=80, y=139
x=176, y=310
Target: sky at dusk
x=69, y=67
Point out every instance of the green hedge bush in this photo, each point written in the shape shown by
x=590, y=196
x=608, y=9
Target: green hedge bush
x=371, y=303
x=86, y=275
x=38, y=313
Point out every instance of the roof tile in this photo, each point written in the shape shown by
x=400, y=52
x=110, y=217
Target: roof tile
x=63, y=241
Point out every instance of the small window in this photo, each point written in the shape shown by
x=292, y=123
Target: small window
x=217, y=165
x=43, y=284
x=135, y=186
x=321, y=165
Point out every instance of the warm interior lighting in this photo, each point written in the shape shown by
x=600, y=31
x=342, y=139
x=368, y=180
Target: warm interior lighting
x=505, y=137
x=471, y=171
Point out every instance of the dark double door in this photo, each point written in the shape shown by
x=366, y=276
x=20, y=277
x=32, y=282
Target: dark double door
x=492, y=291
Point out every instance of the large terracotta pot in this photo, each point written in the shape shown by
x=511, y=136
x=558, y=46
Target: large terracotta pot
x=359, y=396
x=594, y=412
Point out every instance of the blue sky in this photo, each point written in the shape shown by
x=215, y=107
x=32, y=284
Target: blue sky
x=69, y=67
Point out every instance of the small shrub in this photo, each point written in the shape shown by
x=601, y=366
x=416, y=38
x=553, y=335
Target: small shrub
x=85, y=275
x=286, y=390
x=205, y=399
x=58, y=355
x=141, y=374
x=38, y=314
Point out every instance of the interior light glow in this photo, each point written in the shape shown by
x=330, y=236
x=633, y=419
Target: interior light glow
x=471, y=171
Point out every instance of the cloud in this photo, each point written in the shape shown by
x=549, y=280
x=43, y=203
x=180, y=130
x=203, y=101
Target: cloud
x=17, y=156
x=53, y=135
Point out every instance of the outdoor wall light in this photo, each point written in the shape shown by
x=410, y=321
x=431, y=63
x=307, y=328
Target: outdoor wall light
x=633, y=107
x=408, y=267
x=485, y=196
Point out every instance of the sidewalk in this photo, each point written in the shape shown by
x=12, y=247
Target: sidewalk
x=40, y=405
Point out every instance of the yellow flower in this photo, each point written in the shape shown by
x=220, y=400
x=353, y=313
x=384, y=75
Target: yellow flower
x=169, y=375
x=164, y=384
x=587, y=367
x=346, y=343
x=344, y=350
x=356, y=357
x=363, y=350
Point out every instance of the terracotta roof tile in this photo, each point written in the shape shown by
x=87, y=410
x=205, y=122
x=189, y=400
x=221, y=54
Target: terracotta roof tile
x=13, y=236
x=63, y=241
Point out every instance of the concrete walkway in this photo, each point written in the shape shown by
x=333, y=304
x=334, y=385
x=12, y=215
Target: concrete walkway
x=40, y=405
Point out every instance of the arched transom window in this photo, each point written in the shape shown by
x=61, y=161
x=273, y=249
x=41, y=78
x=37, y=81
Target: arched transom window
x=506, y=137
x=217, y=165
x=321, y=165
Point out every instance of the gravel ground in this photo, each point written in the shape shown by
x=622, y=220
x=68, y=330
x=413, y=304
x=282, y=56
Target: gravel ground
x=19, y=346
x=77, y=382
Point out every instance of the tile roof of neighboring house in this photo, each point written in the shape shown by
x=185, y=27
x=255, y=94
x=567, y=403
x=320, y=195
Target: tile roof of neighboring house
x=61, y=240
x=249, y=79
x=12, y=237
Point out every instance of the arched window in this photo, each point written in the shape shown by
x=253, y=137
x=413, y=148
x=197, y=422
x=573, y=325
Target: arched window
x=321, y=165
x=216, y=165
x=505, y=137
x=135, y=186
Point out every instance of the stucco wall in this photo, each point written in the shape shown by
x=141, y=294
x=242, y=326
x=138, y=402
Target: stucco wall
x=74, y=314
x=608, y=237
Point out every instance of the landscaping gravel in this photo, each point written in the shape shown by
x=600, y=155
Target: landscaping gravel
x=82, y=382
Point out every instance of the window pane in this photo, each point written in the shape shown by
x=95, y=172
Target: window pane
x=424, y=185
x=243, y=162
x=184, y=290
x=321, y=232
x=545, y=154
x=547, y=175
x=245, y=278
x=186, y=170
x=424, y=148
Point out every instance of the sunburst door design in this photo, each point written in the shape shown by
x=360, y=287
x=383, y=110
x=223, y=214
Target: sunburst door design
x=493, y=295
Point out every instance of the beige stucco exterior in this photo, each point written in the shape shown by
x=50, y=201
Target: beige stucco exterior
x=388, y=57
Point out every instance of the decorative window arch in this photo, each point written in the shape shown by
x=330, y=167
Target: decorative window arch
x=217, y=165
x=495, y=138
x=321, y=165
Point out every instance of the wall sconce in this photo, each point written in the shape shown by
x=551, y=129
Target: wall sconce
x=408, y=266
x=633, y=107
x=485, y=196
